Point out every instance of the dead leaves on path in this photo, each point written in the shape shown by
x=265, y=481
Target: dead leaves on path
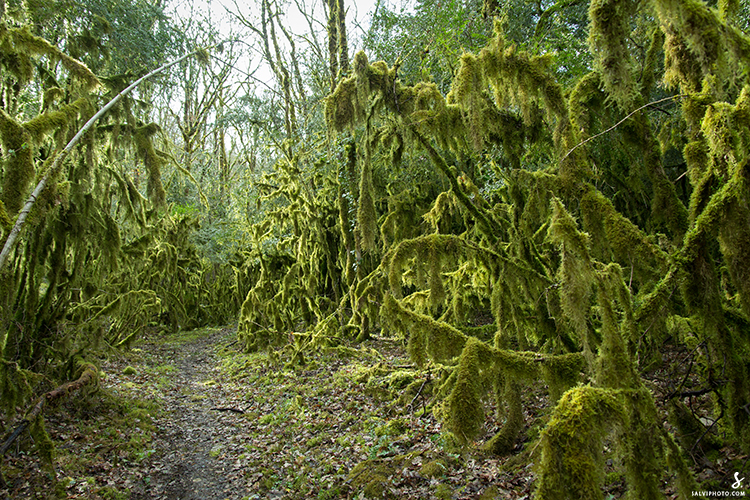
x=237, y=426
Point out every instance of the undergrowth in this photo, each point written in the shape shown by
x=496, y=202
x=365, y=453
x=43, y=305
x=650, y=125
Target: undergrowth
x=98, y=437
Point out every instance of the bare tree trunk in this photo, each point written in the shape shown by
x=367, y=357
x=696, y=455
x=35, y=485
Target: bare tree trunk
x=333, y=60
x=342, y=42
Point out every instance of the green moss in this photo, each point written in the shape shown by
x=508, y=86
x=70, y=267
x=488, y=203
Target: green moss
x=608, y=37
x=490, y=493
x=27, y=44
x=394, y=427
x=443, y=492
x=53, y=121
x=366, y=215
x=505, y=439
x=642, y=447
x=401, y=379
x=15, y=386
x=376, y=488
x=152, y=161
x=44, y=444
x=615, y=367
x=5, y=221
x=575, y=273
x=584, y=99
x=562, y=372
x=427, y=336
x=434, y=468
x=628, y=244
x=371, y=477
x=464, y=411
x=572, y=460
x=129, y=370
x=18, y=165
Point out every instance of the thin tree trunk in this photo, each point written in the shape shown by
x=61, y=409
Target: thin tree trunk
x=333, y=60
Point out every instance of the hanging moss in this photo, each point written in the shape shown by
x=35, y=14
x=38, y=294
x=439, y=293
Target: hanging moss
x=467, y=91
x=51, y=96
x=561, y=372
x=651, y=62
x=5, y=221
x=366, y=215
x=689, y=428
x=441, y=341
x=28, y=44
x=628, y=243
x=575, y=273
x=52, y=121
x=152, y=161
x=572, y=460
x=44, y=445
x=573, y=251
x=614, y=365
x=15, y=384
x=464, y=413
x=504, y=440
x=18, y=165
x=584, y=99
x=608, y=37
x=642, y=447
x=686, y=483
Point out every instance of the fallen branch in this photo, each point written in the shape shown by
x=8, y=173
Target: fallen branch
x=235, y=410
x=89, y=376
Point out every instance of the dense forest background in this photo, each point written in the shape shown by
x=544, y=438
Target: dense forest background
x=530, y=194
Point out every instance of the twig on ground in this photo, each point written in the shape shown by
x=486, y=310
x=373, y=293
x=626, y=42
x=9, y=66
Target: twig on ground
x=234, y=410
x=419, y=393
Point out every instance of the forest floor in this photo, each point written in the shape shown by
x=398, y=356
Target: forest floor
x=188, y=416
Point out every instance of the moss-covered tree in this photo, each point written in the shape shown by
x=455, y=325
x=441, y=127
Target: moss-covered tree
x=97, y=258
x=592, y=242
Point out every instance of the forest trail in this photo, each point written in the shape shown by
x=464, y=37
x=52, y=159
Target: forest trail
x=240, y=426
x=194, y=441
x=188, y=416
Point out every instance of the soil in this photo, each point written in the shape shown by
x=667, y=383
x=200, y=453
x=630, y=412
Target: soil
x=189, y=416
x=192, y=432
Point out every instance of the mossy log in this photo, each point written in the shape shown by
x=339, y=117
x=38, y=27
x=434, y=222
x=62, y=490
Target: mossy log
x=33, y=418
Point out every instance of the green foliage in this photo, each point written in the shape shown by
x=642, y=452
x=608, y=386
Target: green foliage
x=591, y=256
x=111, y=36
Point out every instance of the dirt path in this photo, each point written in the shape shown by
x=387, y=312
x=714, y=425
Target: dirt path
x=194, y=439
x=339, y=426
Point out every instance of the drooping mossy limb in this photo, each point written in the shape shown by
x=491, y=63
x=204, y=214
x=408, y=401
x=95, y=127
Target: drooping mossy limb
x=34, y=416
x=572, y=461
